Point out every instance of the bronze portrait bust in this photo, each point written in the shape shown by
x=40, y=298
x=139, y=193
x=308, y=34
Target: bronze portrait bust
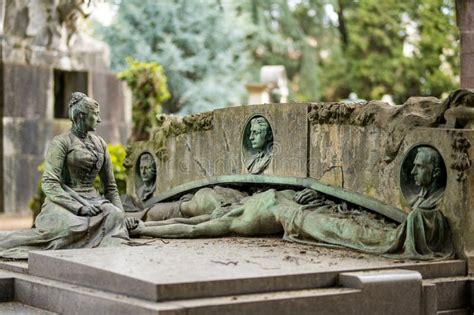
x=257, y=145
x=423, y=177
x=147, y=171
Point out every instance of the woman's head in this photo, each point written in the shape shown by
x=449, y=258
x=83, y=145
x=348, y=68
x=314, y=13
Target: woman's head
x=83, y=112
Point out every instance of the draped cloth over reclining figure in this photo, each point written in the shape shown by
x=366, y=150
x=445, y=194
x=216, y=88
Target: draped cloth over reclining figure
x=425, y=234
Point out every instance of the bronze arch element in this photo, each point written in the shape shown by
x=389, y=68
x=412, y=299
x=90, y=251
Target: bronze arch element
x=337, y=192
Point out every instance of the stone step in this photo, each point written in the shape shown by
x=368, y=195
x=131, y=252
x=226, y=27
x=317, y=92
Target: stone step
x=375, y=288
x=7, y=288
x=19, y=308
x=64, y=298
x=449, y=293
x=452, y=293
x=192, y=269
x=302, y=302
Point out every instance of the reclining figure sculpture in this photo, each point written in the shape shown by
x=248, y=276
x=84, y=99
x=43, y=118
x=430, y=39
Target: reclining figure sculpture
x=310, y=217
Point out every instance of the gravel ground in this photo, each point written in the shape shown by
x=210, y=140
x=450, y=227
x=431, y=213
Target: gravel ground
x=10, y=222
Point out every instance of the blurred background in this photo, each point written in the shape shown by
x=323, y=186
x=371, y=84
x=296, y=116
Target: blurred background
x=210, y=49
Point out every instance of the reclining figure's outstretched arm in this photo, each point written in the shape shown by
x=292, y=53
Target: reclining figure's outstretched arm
x=190, y=221
x=212, y=228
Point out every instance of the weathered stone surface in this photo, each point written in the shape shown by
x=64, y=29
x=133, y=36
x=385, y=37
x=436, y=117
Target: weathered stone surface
x=220, y=267
x=467, y=62
x=451, y=293
x=7, y=292
x=458, y=194
x=19, y=308
x=467, y=41
x=196, y=155
x=354, y=157
x=25, y=91
x=358, y=147
x=465, y=21
x=25, y=142
x=25, y=136
x=21, y=178
x=404, y=285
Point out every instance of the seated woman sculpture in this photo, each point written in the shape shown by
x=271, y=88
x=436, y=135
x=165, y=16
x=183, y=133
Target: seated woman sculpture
x=310, y=217
x=74, y=214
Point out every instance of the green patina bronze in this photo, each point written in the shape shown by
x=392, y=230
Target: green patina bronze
x=319, y=214
x=310, y=217
x=74, y=214
x=258, y=145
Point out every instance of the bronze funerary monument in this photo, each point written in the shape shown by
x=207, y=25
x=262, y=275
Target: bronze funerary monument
x=373, y=203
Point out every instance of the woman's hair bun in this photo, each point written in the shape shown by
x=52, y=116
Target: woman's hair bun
x=76, y=98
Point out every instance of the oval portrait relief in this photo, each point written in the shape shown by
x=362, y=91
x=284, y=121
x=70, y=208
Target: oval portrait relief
x=423, y=177
x=145, y=175
x=257, y=144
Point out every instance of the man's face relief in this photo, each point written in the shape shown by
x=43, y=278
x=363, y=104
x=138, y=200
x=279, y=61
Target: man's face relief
x=422, y=170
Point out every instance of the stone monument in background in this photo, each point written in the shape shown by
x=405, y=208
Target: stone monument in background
x=272, y=88
x=44, y=58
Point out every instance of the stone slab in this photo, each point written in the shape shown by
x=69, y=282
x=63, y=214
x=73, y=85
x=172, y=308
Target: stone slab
x=18, y=266
x=185, y=269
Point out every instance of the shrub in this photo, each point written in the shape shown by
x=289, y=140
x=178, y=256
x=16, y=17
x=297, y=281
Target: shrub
x=149, y=87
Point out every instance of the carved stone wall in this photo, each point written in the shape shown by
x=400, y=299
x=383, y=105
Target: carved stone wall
x=217, y=150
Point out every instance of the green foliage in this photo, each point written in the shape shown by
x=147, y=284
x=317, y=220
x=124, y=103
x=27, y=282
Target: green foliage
x=149, y=87
x=117, y=156
x=329, y=48
x=37, y=201
x=377, y=60
x=333, y=47
x=201, y=45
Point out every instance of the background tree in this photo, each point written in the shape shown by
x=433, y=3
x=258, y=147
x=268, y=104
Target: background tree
x=398, y=48
x=329, y=48
x=201, y=45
